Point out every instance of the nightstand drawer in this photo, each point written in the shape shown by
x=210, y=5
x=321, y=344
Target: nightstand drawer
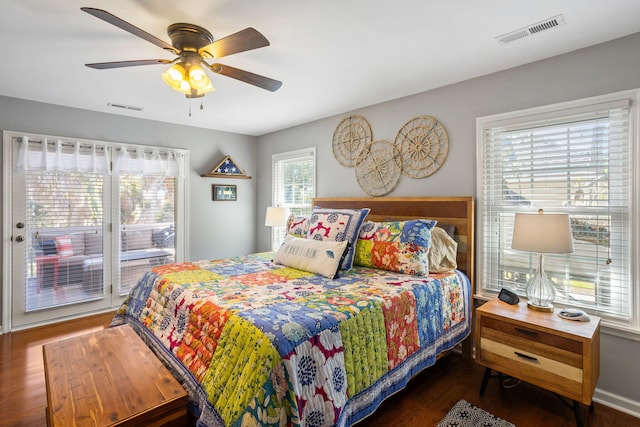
x=558, y=374
x=532, y=342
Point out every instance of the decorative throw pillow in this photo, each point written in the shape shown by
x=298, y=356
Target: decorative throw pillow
x=442, y=252
x=338, y=225
x=49, y=247
x=314, y=256
x=298, y=226
x=400, y=246
x=64, y=246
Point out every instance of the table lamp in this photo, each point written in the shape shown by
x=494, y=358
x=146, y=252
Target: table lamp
x=542, y=233
x=276, y=217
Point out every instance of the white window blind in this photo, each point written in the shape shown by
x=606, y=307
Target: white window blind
x=64, y=220
x=293, y=184
x=578, y=161
x=147, y=225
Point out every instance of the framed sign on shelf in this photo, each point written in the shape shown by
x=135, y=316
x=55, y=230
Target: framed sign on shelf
x=226, y=193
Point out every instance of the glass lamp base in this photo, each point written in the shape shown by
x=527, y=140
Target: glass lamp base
x=540, y=290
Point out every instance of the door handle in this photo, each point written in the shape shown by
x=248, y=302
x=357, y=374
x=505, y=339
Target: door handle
x=526, y=332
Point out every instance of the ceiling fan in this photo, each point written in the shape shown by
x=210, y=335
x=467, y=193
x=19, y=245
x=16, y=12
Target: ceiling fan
x=193, y=45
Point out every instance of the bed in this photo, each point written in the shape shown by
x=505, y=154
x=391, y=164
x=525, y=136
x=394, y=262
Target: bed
x=256, y=342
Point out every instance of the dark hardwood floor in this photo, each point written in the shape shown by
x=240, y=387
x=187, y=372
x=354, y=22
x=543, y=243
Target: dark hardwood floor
x=431, y=394
x=424, y=402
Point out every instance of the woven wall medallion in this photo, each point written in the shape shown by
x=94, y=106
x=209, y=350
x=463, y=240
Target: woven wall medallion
x=379, y=172
x=351, y=140
x=424, y=144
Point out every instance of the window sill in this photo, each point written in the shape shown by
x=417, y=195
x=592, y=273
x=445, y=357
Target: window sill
x=619, y=331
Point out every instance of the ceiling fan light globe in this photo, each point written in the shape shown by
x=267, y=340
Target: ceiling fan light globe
x=196, y=73
x=206, y=89
x=201, y=83
x=176, y=72
x=175, y=85
x=184, y=87
x=174, y=77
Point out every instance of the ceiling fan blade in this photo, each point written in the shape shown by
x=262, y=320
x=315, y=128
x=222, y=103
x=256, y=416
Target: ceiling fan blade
x=243, y=40
x=121, y=64
x=247, y=77
x=120, y=23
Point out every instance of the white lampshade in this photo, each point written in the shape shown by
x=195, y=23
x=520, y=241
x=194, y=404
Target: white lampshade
x=542, y=233
x=276, y=216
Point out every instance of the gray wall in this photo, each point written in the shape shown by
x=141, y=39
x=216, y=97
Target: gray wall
x=606, y=68
x=216, y=229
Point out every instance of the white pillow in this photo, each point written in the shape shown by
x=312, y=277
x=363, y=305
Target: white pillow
x=442, y=252
x=315, y=256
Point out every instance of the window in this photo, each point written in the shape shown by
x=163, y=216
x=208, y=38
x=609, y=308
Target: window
x=147, y=226
x=294, y=185
x=575, y=158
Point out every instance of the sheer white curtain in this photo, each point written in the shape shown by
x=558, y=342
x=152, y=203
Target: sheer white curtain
x=67, y=156
x=75, y=156
x=144, y=161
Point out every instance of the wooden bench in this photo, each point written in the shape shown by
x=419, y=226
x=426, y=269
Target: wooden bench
x=109, y=378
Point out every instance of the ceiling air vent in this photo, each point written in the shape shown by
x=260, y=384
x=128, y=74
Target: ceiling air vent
x=124, y=107
x=530, y=30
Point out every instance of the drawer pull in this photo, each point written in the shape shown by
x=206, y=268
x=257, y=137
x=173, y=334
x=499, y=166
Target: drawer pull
x=526, y=356
x=527, y=332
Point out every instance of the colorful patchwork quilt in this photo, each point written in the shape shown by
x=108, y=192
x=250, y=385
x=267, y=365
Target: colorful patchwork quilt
x=259, y=344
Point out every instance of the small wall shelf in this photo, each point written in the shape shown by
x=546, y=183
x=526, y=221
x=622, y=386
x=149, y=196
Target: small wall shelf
x=227, y=168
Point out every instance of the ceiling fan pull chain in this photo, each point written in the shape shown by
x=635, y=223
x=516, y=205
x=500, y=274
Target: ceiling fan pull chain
x=189, y=107
x=201, y=106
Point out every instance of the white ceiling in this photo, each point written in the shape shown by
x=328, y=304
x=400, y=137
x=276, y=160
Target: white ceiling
x=332, y=56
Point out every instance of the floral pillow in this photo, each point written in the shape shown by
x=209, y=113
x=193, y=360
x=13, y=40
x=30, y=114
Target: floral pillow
x=314, y=256
x=338, y=225
x=298, y=226
x=64, y=246
x=400, y=246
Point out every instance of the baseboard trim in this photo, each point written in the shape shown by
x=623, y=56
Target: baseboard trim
x=619, y=403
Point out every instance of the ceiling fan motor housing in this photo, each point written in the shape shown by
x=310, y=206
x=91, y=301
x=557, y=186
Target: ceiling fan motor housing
x=189, y=37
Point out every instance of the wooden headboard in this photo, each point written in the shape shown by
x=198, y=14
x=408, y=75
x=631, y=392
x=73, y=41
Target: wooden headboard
x=458, y=211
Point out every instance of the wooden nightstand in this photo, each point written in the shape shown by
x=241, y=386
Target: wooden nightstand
x=559, y=355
